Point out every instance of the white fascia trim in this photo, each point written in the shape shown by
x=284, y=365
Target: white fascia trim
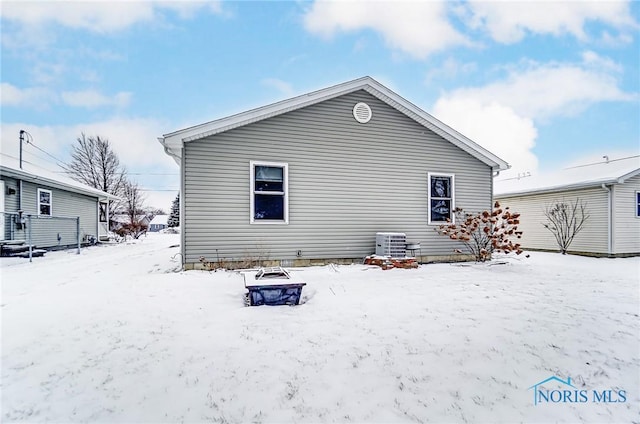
x=568, y=187
x=628, y=175
x=432, y=123
x=173, y=142
x=37, y=179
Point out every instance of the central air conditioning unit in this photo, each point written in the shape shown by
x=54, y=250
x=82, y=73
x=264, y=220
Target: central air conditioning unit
x=391, y=244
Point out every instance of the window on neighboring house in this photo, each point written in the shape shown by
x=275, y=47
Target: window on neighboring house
x=638, y=204
x=269, y=192
x=44, y=202
x=440, y=197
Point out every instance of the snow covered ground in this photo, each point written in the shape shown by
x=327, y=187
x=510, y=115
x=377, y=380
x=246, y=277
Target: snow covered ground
x=116, y=335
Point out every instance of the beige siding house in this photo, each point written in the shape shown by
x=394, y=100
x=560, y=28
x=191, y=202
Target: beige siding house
x=609, y=189
x=315, y=177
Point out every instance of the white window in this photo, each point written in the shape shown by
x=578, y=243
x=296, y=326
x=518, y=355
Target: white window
x=637, y=204
x=269, y=193
x=441, y=198
x=44, y=202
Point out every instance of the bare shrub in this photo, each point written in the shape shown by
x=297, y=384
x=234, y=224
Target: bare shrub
x=484, y=233
x=565, y=219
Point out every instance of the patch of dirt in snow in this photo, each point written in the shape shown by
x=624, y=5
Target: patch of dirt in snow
x=110, y=335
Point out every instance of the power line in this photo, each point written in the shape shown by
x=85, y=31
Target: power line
x=607, y=160
x=47, y=153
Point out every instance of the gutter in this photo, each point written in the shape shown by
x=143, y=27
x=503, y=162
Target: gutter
x=609, y=220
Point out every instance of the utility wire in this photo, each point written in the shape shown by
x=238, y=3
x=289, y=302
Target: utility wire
x=604, y=161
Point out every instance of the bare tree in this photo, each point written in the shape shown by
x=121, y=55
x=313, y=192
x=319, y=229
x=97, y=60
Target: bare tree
x=133, y=200
x=93, y=162
x=565, y=219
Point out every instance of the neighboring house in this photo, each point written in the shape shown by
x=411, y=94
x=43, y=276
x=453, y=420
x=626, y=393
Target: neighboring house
x=120, y=219
x=52, y=203
x=611, y=192
x=312, y=179
x=159, y=222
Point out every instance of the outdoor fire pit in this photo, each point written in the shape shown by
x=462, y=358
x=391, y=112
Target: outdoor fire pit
x=272, y=286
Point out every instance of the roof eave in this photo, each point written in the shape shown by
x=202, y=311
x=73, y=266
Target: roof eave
x=174, y=141
x=567, y=187
x=28, y=176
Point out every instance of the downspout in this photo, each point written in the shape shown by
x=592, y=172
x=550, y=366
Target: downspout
x=182, y=208
x=609, y=221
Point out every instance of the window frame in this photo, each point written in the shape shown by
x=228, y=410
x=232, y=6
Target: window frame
x=452, y=198
x=285, y=193
x=637, y=202
x=50, y=204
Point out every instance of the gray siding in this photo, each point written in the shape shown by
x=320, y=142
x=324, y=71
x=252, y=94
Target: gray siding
x=10, y=204
x=592, y=239
x=347, y=181
x=626, y=234
x=45, y=230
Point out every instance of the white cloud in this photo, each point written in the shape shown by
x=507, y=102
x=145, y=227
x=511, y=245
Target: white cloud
x=509, y=22
x=417, y=28
x=93, y=99
x=135, y=141
x=543, y=90
x=495, y=127
x=450, y=69
x=33, y=97
x=501, y=115
x=615, y=40
x=41, y=98
x=595, y=61
x=97, y=15
x=282, y=86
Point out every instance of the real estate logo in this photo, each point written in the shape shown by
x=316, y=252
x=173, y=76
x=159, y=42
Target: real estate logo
x=568, y=393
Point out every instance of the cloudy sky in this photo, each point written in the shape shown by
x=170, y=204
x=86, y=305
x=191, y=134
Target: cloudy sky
x=542, y=84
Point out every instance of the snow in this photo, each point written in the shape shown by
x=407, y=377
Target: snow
x=159, y=220
x=119, y=334
x=588, y=175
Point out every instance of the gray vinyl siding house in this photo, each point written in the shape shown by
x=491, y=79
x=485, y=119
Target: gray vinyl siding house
x=609, y=191
x=54, y=220
x=340, y=181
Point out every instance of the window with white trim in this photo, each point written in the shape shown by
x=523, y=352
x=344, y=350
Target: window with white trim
x=44, y=202
x=269, y=192
x=440, y=198
x=637, y=204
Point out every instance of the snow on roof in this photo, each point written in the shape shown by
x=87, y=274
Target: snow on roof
x=615, y=171
x=160, y=220
x=124, y=218
x=174, y=141
x=32, y=173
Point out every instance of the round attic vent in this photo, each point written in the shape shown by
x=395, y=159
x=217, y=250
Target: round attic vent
x=362, y=112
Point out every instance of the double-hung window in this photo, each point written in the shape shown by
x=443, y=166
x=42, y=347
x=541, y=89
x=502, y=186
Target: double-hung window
x=44, y=202
x=637, y=204
x=440, y=198
x=269, y=193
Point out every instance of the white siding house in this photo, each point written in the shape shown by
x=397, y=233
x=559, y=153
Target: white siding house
x=314, y=178
x=609, y=189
